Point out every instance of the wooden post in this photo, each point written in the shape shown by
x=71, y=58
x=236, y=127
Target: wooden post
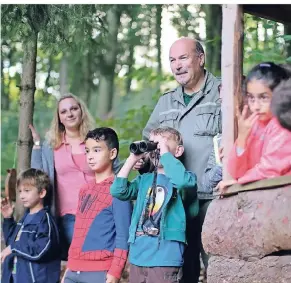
x=231, y=71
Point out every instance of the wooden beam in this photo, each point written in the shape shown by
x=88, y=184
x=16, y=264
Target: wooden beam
x=278, y=13
x=265, y=184
x=231, y=71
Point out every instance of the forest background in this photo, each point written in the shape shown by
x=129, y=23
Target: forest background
x=114, y=57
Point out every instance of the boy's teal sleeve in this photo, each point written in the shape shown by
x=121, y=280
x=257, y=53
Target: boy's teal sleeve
x=184, y=181
x=175, y=170
x=124, y=190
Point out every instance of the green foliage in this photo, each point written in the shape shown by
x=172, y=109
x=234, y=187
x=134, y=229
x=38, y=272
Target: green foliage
x=44, y=107
x=263, y=42
x=79, y=33
x=129, y=128
x=185, y=18
x=60, y=27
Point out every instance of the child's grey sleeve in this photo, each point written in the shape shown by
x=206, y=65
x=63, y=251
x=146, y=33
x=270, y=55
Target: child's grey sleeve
x=212, y=175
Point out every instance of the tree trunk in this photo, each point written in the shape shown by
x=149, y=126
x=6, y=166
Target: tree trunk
x=26, y=108
x=216, y=65
x=47, y=80
x=257, y=35
x=64, y=75
x=106, y=88
x=5, y=103
x=77, y=76
x=159, y=10
x=130, y=67
x=213, y=37
x=266, y=43
x=209, y=36
x=86, y=78
x=287, y=31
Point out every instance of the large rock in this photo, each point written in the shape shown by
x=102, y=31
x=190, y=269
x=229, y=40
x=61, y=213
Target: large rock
x=249, y=225
x=271, y=269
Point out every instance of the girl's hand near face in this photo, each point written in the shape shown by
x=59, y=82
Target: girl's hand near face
x=245, y=125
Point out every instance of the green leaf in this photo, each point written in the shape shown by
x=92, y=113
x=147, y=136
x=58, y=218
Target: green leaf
x=288, y=60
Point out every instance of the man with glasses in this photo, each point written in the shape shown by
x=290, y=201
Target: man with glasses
x=193, y=108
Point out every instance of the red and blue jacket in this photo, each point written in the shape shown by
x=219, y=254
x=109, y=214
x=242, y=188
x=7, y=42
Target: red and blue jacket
x=101, y=231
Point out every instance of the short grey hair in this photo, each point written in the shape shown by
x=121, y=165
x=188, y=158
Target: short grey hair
x=199, y=48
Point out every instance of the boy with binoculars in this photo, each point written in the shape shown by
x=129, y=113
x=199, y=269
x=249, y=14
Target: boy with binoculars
x=157, y=234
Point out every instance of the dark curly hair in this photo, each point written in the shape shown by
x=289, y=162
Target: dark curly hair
x=105, y=134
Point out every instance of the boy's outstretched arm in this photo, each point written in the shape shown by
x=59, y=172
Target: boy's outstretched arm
x=122, y=215
x=121, y=188
x=42, y=243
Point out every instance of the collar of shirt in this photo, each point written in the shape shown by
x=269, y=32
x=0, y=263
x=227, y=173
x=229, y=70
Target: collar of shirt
x=205, y=88
x=64, y=140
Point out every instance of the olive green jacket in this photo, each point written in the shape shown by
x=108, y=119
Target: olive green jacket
x=198, y=123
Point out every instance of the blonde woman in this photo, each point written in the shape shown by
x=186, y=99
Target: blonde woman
x=62, y=157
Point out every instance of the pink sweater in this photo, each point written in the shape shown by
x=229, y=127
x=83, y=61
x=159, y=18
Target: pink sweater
x=70, y=177
x=267, y=154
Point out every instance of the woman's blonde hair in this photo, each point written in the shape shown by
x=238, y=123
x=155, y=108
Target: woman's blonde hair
x=55, y=134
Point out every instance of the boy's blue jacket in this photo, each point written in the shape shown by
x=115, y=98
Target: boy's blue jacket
x=179, y=204
x=37, y=250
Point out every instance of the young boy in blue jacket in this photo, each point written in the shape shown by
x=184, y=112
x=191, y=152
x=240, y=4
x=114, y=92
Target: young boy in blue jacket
x=157, y=233
x=32, y=245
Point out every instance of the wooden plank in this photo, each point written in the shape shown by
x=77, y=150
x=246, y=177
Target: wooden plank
x=258, y=185
x=231, y=71
x=278, y=13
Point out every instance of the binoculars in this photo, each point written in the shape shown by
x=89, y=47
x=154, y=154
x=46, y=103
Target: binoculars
x=139, y=147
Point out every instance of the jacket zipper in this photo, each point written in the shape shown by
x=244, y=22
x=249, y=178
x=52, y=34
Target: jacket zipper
x=31, y=273
x=19, y=231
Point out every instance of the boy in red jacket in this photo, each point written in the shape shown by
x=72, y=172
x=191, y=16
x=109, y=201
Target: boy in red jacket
x=99, y=248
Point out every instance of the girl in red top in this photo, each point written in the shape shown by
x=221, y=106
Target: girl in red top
x=263, y=148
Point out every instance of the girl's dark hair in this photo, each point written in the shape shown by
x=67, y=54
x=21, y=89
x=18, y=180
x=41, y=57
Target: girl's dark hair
x=268, y=72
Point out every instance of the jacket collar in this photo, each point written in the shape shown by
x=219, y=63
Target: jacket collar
x=37, y=216
x=107, y=181
x=205, y=88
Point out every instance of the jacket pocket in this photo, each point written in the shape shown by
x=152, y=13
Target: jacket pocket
x=207, y=120
x=169, y=119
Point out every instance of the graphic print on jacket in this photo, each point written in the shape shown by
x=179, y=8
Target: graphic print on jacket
x=152, y=213
x=94, y=232
x=86, y=202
